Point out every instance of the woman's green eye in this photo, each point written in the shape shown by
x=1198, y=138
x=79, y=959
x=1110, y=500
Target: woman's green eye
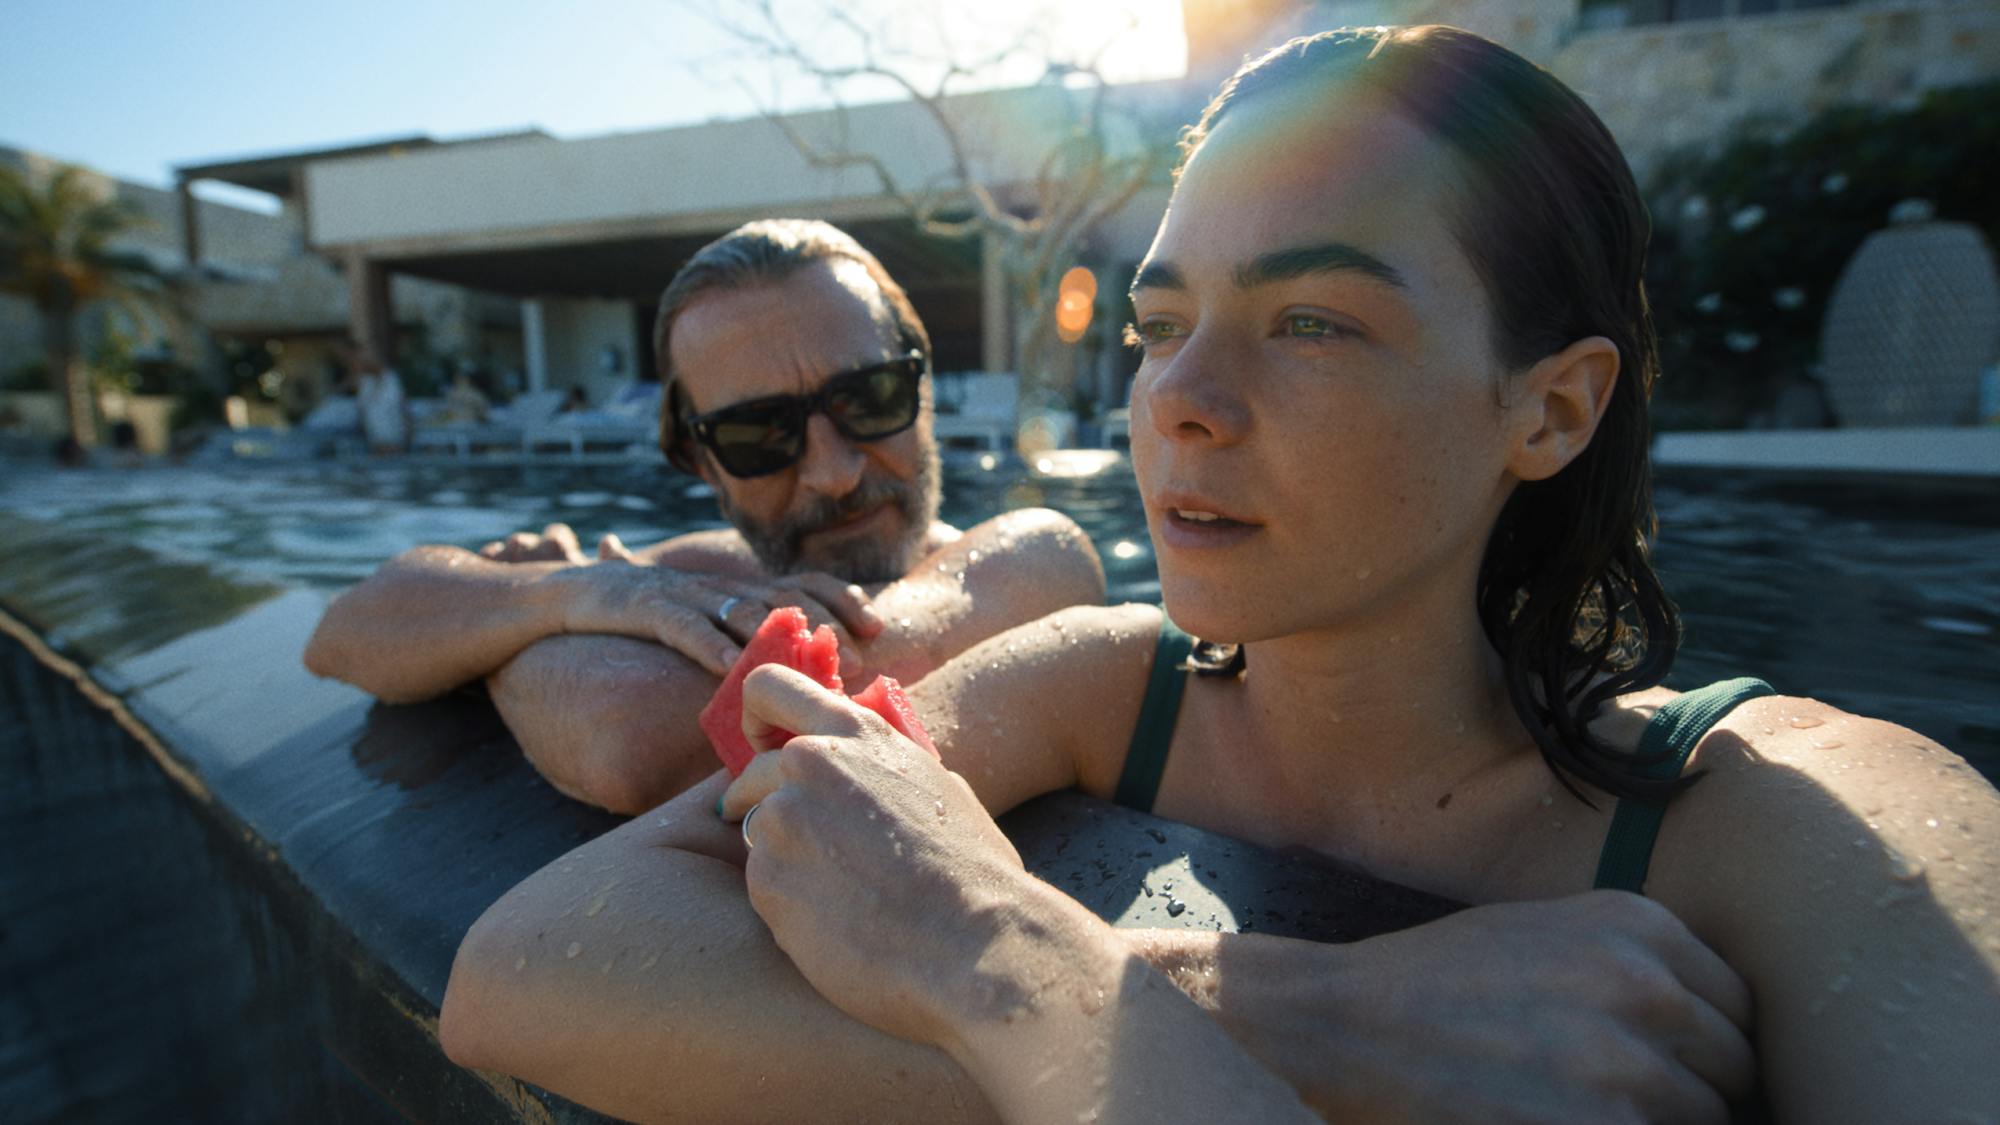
x=1149, y=332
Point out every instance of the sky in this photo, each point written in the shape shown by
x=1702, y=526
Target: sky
x=134, y=87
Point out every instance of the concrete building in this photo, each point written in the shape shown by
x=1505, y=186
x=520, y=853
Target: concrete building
x=247, y=286
x=1665, y=74
x=584, y=233
x=545, y=257
x=296, y=303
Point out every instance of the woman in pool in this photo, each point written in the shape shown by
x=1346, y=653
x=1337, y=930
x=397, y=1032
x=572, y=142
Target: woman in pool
x=1390, y=431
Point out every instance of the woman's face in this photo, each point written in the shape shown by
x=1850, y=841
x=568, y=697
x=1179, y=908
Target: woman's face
x=1318, y=373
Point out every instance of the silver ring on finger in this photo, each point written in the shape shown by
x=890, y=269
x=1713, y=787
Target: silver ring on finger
x=728, y=603
x=747, y=814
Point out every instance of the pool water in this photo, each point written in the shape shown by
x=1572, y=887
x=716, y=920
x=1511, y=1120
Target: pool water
x=1883, y=598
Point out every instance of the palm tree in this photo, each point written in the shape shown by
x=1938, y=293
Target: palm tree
x=55, y=250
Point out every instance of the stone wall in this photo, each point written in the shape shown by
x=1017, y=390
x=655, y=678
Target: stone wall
x=1666, y=86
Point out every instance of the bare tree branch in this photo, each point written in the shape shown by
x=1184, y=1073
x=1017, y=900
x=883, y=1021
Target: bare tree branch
x=1077, y=184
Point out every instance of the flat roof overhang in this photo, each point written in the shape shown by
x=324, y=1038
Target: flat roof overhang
x=277, y=173
x=636, y=265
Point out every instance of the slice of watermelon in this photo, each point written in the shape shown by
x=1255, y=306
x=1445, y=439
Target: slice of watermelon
x=885, y=697
x=782, y=639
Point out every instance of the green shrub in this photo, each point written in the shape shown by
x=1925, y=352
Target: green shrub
x=1750, y=240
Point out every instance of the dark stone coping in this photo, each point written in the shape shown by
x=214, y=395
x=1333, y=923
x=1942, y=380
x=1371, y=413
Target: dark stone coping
x=330, y=852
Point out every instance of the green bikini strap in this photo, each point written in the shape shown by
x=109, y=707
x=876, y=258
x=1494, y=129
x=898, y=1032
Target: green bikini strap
x=1674, y=731
x=1146, y=757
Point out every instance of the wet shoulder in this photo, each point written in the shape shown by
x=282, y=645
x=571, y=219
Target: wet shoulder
x=1849, y=869
x=714, y=551
x=1029, y=537
x=1068, y=685
x=1801, y=800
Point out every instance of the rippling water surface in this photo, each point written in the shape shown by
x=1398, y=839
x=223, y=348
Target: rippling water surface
x=1881, y=598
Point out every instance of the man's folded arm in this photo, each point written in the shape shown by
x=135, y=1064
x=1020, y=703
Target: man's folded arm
x=432, y=619
x=608, y=720
x=611, y=720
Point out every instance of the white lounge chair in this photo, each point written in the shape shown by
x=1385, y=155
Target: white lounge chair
x=631, y=418
x=986, y=415
x=504, y=426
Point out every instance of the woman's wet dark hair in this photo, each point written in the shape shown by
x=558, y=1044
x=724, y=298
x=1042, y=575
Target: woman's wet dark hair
x=1551, y=220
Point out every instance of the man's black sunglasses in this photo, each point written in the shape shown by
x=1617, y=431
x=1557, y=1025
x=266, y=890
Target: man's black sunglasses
x=764, y=435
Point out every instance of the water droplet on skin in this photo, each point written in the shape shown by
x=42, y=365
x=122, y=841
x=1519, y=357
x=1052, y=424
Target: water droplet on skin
x=520, y=963
x=972, y=556
x=940, y=810
x=898, y=844
x=1804, y=722
x=1930, y=822
x=651, y=961
x=575, y=948
x=1945, y=856
x=596, y=907
x=1768, y=730
x=902, y=623
x=1829, y=744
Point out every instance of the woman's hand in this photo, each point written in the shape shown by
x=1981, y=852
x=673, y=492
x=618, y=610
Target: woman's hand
x=888, y=885
x=878, y=871
x=1596, y=1007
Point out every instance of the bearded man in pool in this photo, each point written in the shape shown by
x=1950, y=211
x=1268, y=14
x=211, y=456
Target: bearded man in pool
x=795, y=380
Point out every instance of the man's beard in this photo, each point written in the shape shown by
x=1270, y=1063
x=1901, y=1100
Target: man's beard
x=861, y=559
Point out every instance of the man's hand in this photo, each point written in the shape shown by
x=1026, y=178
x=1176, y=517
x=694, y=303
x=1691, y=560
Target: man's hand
x=1598, y=1007
x=685, y=610
x=708, y=617
x=556, y=543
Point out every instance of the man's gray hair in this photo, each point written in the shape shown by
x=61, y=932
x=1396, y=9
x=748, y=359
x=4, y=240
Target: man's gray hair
x=764, y=252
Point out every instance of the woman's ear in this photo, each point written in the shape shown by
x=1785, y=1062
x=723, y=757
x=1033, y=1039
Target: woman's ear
x=1557, y=404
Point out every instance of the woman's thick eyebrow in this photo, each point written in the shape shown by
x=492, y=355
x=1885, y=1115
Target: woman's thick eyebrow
x=1282, y=265
x=1327, y=257
x=1158, y=275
